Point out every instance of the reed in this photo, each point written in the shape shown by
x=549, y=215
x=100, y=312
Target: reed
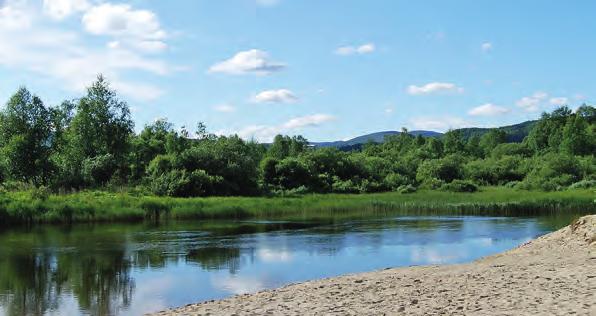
x=101, y=206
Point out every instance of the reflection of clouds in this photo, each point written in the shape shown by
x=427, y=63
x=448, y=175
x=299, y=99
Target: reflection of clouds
x=149, y=296
x=428, y=255
x=238, y=284
x=274, y=255
x=487, y=242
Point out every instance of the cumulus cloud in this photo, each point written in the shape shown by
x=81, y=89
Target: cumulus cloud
x=138, y=28
x=434, y=87
x=559, y=101
x=224, y=108
x=532, y=103
x=353, y=50
x=275, y=96
x=486, y=47
x=30, y=44
x=306, y=121
x=438, y=123
x=266, y=133
x=13, y=17
x=488, y=109
x=252, y=61
x=60, y=9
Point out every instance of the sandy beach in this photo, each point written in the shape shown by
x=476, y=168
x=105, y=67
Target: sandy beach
x=552, y=275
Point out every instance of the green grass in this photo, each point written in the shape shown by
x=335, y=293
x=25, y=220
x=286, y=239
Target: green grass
x=98, y=206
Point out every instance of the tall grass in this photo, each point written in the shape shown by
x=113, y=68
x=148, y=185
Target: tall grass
x=98, y=206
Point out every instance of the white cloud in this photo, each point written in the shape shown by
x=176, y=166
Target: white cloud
x=224, y=108
x=389, y=110
x=275, y=96
x=486, y=47
x=252, y=61
x=60, y=9
x=559, y=101
x=434, y=87
x=438, y=123
x=352, y=50
x=13, y=17
x=532, y=103
x=310, y=120
x=488, y=109
x=139, y=29
x=266, y=133
x=66, y=57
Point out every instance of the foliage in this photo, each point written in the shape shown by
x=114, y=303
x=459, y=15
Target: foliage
x=89, y=143
x=460, y=186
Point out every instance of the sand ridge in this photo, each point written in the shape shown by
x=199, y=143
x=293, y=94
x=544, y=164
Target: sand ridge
x=551, y=275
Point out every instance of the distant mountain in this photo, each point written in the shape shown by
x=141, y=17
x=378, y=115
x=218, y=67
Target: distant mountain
x=515, y=133
x=378, y=137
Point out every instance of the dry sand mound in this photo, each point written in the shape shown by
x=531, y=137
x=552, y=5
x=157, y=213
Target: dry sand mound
x=552, y=275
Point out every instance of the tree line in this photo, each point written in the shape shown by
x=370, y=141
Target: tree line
x=90, y=143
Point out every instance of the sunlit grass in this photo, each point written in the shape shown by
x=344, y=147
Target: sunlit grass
x=96, y=206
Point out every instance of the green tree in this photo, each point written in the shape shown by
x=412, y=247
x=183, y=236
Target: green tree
x=26, y=138
x=492, y=139
x=101, y=126
x=575, y=137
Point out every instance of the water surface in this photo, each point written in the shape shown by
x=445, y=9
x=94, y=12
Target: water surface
x=129, y=269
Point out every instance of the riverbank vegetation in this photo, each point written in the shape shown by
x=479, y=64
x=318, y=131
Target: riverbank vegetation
x=65, y=162
x=101, y=206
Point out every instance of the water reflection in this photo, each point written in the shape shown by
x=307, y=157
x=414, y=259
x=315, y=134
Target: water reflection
x=131, y=269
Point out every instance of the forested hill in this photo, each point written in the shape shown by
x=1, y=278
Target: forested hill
x=378, y=137
x=515, y=134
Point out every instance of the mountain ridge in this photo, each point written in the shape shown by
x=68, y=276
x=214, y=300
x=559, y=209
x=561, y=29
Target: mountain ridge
x=515, y=133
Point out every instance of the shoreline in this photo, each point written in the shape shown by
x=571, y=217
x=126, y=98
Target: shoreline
x=553, y=274
x=26, y=208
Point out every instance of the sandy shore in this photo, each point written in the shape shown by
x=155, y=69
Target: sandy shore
x=552, y=275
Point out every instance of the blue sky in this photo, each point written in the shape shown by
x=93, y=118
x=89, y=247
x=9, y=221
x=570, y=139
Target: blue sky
x=328, y=70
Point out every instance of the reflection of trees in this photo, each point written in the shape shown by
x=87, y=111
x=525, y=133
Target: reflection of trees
x=216, y=258
x=35, y=280
x=33, y=284
x=100, y=281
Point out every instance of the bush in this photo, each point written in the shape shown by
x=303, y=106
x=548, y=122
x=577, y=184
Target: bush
x=512, y=184
x=394, y=181
x=446, y=169
x=553, y=172
x=432, y=184
x=460, y=186
x=184, y=184
x=347, y=186
x=584, y=184
x=98, y=170
x=405, y=189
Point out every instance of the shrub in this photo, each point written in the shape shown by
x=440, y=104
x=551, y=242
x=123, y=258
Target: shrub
x=512, y=184
x=99, y=170
x=405, y=189
x=446, y=169
x=347, y=186
x=460, y=186
x=184, y=184
x=395, y=180
x=553, y=172
x=432, y=184
x=584, y=184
